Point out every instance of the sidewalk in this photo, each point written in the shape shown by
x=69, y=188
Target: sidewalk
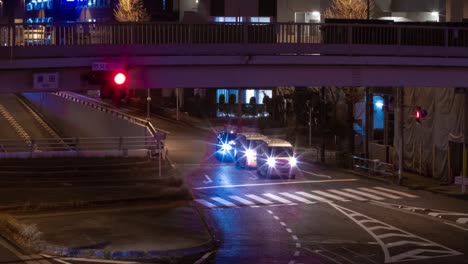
x=171, y=233
x=418, y=182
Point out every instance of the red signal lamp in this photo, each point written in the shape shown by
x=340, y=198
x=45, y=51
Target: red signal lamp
x=120, y=78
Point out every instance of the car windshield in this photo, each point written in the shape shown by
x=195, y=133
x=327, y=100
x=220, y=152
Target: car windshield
x=280, y=151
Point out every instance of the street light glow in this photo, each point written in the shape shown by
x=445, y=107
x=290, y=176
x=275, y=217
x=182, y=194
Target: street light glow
x=120, y=78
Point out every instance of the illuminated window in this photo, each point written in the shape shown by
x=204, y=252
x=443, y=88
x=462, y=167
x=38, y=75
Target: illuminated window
x=38, y=4
x=260, y=19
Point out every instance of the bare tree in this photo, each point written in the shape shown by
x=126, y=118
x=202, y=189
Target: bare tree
x=131, y=11
x=349, y=9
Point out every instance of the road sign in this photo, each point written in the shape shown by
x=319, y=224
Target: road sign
x=46, y=81
x=107, y=66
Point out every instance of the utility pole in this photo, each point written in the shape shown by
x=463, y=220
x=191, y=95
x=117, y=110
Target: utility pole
x=400, y=98
x=322, y=123
x=177, y=104
x=148, y=105
x=368, y=9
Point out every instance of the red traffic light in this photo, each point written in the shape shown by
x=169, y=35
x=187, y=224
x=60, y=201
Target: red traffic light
x=418, y=114
x=120, y=78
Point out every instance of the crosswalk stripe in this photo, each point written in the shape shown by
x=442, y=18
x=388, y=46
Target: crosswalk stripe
x=224, y=202
x=258, y=199
x=315, y=197
x=347, y=195
x=242, y=200
x=297, y=198
x=277, y=198
x=365, y=194
x=205, y=203
x=381, y=193
x=336, y=197
x=397, y=192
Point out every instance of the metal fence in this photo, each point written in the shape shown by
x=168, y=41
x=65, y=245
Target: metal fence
x=374, y=167
x=71, y=34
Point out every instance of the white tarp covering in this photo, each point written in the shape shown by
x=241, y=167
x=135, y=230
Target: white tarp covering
x=443, y=123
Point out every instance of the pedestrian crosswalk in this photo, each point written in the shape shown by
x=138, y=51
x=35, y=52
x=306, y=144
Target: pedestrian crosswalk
x=304, y=197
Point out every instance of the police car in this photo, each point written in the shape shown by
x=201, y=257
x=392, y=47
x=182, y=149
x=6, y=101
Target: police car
x=226, y=145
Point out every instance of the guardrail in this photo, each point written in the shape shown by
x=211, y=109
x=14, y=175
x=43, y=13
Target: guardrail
x=150, y=33
x=374, y=167
x=89, y=147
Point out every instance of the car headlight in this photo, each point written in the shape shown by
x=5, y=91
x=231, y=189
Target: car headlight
x=271, y=162
x=292, y=161
x=226, y=147
x=250, y=153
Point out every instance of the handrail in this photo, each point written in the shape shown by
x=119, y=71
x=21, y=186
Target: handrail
x=151, y=33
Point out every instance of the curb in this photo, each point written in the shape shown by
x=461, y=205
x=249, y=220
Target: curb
x=60, y=251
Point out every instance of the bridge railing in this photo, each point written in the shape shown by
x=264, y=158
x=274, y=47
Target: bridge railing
x=72, y=34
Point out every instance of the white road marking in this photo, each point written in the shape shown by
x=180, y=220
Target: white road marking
x=315, y=197
x=347, y=195
x=275, y=217
x=277, y=198
x=298, y=245
x=205, y=203
x=224, y=202
x=294, y=237
x=406, y=242
x=462, y=220
x=365, y=194
x=297, y=198
x=259, y=199
x=315, y=174
x=270, y=212
x=446, y=213
x=373, y=228
x=297, y=253
x=55, y=259
x=289, y=230
x=282, y=223
x=397, y=192
x=208, y=179
x=336, y=197
x=459, y=227
x=399, y=256
x=242, y=200
x=269, y=184
x=381, y=193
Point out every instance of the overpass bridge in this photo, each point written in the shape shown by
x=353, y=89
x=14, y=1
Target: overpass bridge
x=175, y=55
